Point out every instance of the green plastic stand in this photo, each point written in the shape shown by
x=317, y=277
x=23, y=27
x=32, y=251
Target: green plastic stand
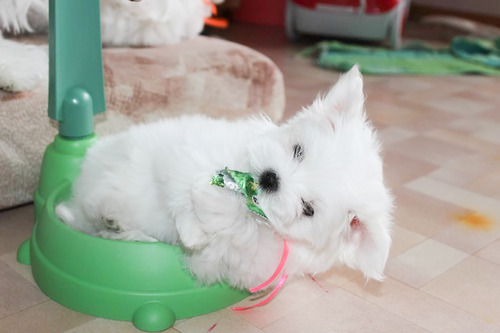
x=76, y=79
x=145, y=283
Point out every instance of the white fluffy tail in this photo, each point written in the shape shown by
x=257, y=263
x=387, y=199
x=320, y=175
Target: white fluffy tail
x=75, y=218
x=65, y=215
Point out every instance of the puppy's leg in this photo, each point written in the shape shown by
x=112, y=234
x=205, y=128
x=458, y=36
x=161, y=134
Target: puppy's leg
x=22, y=66
x=213, y=210
x=113, y=230
x=129, y=235
x=191, y=235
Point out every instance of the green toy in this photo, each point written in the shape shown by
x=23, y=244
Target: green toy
x=145, y=283
x=240, y=182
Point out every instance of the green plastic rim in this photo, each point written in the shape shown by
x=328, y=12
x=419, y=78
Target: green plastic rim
x=145, y=283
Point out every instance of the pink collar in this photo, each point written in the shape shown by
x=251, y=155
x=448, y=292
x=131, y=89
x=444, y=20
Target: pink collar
x=263, y=285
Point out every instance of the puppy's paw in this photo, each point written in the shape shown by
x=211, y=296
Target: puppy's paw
x=22, y=67
x=129, y=235
x=111, y=223
x=193, y=239
x=65, y=214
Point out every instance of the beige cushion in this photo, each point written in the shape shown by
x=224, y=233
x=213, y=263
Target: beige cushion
x=203, y=75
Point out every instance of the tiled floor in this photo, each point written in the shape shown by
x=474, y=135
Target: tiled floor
x=442, y=160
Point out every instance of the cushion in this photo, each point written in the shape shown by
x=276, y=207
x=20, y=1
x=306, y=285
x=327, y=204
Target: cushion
x=202, y=75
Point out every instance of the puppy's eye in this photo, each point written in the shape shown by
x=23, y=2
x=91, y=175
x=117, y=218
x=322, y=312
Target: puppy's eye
x=298, y=152
x=307, y=208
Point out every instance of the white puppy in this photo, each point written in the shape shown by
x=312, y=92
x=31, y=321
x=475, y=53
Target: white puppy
x=123, y=23
x=320, y=184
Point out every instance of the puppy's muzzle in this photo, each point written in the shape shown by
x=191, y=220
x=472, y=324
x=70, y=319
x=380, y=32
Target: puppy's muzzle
x=269, y=181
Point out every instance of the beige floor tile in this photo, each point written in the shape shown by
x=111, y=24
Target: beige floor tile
x=16, y=293
x=430, y=150
x=493, y=115
x=311, y=84
x=490, y=134
x=491, y=252
x=101, y=325
x=295, y=294
x=438, y=90
x=301, y=69
x=24, y=270
x=16, y=226
x=459, y=105
x=480, y=83
x=464, y=140
x=403, y=239
x=488, y=184
x=341, y=311
x=477, y=174
x=223, y=321
x=432, y=120
x=452, y=177
x=21, y=214
x=46, y=317
x=393, y=134
x=419, y=308
x=423, y=262
x=474, y=165
x=468, y=125
x=406, y=84
x=336, y=277
x=399, y=168
x=478, y=95
x=421, y=213
x=391, y=113
x=472, y=286
x=375, y=93
x=457, y=196
x=480, y=130
x=467, y=238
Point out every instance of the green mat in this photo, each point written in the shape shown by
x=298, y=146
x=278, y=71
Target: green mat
x=464, y=56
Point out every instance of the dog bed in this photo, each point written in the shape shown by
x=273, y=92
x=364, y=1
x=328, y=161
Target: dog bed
x=202, y=75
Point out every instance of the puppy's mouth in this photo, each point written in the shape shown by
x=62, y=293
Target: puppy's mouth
x=243, y=183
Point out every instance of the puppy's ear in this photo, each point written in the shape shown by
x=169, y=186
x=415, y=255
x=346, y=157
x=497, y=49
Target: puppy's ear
x=346, y=96
x=366, y=247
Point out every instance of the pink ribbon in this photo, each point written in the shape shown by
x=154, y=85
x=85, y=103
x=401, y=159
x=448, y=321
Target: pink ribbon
x=268, y=298
x=261, y=286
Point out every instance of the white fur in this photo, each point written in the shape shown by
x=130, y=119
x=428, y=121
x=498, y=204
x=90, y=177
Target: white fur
x=22, y=66
x=153, y=180
x=151, y=22
x=123, y=23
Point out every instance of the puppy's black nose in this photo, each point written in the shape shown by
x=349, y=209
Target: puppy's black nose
x=269, y=181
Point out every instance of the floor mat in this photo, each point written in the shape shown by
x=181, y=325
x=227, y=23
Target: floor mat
x=464, y=56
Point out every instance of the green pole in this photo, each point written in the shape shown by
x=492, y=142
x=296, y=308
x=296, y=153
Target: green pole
x=76, y=90
x=76, y=84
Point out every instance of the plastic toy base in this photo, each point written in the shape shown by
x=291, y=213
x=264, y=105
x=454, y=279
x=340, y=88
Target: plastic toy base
x=371, y=27
x=145, y=283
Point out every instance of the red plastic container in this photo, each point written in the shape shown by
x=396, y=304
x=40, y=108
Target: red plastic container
x=265, y=12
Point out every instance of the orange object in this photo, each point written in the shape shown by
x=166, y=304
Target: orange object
x=216, y=22
x=476, y=220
